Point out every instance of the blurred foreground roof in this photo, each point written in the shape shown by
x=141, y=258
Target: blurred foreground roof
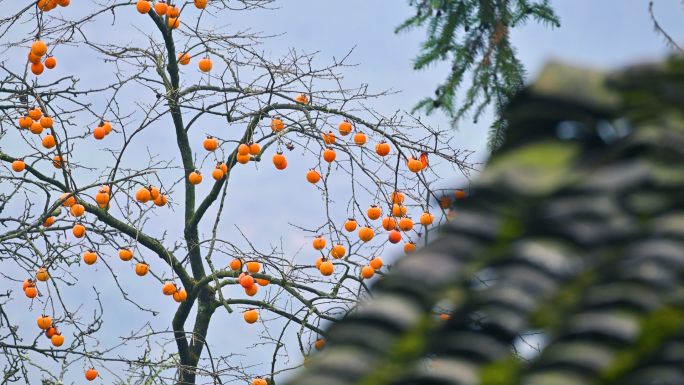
x=577, y=223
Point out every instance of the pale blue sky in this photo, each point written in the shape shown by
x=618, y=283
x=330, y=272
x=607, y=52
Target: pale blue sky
x=605, y=34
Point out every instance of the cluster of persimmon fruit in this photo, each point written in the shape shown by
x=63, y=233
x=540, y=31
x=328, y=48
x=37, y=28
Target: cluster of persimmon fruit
x=49, y=5
x=102, y=130
x=144, y=195
x=172, y=12
x=246, y=150
x=57, y=339
x=395, y=224
x=35, y=121
x=51, y=332
x=325, y=265
x=446, y=202
x=38, y=50
x=164, y=9
x=90, y=257
x=44, y=322
x=221, y=169
x=329, y=155
x=247, y=281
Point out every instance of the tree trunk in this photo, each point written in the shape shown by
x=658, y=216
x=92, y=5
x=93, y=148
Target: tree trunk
x=206, y=306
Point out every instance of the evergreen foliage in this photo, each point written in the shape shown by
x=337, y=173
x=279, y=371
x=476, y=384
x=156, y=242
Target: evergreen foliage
x=474, y=36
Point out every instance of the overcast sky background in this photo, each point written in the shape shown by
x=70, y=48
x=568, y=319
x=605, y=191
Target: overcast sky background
x=604, y=34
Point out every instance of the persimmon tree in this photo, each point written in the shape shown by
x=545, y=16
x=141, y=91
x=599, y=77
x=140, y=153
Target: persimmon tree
x=227, y=105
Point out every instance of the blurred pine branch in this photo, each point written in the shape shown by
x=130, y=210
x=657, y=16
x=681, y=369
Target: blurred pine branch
x=474, y=36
